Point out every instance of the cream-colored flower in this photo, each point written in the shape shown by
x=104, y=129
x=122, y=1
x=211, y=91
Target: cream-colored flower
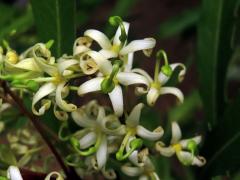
x=184, y=149
x=13, y=173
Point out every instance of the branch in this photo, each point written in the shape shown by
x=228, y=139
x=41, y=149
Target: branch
x=70, y=173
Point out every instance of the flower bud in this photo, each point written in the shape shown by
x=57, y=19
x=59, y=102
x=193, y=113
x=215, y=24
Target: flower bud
x=12, y=57
x=107, y=85
x=32, y=85
x=167, y=70
x=136, y=143
x=192, y=146
x=115, y=20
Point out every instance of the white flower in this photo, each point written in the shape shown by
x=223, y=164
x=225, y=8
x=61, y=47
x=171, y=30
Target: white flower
x=130, y=143
x=147, y=171
x=13, y=173
x=182, y=148
x=97, y=127
x=157, y=87
x=107, y=70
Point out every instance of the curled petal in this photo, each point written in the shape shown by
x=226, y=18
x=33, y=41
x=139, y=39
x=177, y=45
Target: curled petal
x=13, y=173
x=91, y=85
x=128, y=78
x=60, y=115
x=81, y=45
x=116, y=97
x=99, y=37
x=185, y=158
x=165, y=151
x=88, y=65
x=104, y=65
x=174, y=91
x=25, y=64
x=55, y=174
x=80, y=118
x=184, y=142
x=144, y=73
x=62, y=103
x=137, y=45
x=149, y=135
x=63, y=65
x=176, y=133
x=116, y=40
x=163, y=78
x=152, y=96
x=102, y=153
x=45, y=90
x=111, y=125
x=131, y=171
x=109, y=173
x=134, y=117
x=199, y=161
x=87, y=140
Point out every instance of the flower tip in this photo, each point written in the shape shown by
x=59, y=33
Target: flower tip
x=49, y=43
x=136, y=143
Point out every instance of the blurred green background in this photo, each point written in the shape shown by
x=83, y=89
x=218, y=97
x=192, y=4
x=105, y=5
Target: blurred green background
x=202, y=34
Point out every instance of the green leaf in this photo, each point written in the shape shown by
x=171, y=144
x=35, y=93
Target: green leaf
x=178, y=24
x=222, y=145
x=214, y=52
x=55, y=19
x=6, y=156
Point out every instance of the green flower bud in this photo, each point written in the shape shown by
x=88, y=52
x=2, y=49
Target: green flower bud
x=32, y=85
x=136, y=143
x=167, y=70
x=74, y=142
x=107, y=85
x=17, y=82
x=192, y=146
x=49, y=44
x=115, y=20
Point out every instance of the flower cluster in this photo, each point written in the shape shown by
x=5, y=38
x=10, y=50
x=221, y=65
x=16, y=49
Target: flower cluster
x=102, y=135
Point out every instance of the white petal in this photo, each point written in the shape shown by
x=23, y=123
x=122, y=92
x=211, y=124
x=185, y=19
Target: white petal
x=129, y=63
x=87, y=140
x=199, y=161
x=155, y=175
x=60, y=115
x=128, y=78
x=185, y=158
x=104, y=65
x=152, y=96
x=43, y=91
x=163, y=78
x=91, y=85
x=131, y=171
x=81, y=118
x=165, y=151
x=150, y=135
x=176, y=133
x=134, y=117
x=116, y=97
x=13, y=173
x=184, y=142
x=109, y=173
x=174, y=91
x=62, y=103
x=108, y=54
x=144, y=73
x=143, y=177
x=99, y=37
x=62, y=66
x=116, y=40
x=81, y=45
x=112, y=126
x=102, y=153
x=134, y=155
x=137, y=45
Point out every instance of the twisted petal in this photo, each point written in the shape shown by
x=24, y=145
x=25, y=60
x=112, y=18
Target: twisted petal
x=109, y=173
x=184, y=142
x=81, y=45
x=102, y=153
x=116, y=40
x=149, y=135
x=13, y=173
x=163, y=78
x=176, y=133
x=116, y=98
x=185, y=158
x=134, y=117
x=152, y=96
x=99, y=37
x=25, y=64
x=91, y=85
x=165, y=151
x=174, y=91
x=60, y=115
x=137, y=45
x=104, y=65
x=144, y=73
x=131, y=171
x=128, y=78
x=80, y=118
x=45, y=90
x=88, y=140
